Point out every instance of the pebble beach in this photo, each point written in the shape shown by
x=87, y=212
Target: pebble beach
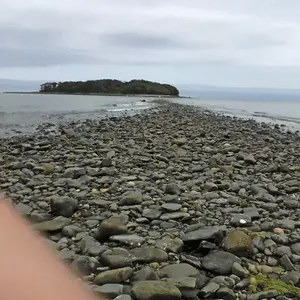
x=175, y=202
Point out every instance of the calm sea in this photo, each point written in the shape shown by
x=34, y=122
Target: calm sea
x=22, y=113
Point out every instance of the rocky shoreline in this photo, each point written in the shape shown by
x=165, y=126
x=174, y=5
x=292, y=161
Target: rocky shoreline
x=173, y=203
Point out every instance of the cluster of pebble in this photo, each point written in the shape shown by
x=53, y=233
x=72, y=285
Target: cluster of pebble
x=173, y=203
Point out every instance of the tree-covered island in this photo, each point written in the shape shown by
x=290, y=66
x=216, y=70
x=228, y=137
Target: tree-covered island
x=110, y=87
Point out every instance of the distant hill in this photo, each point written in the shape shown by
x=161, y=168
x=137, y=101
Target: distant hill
x=10, y=85
x=110, y=86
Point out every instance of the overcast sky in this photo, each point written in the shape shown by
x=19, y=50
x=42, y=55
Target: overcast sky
x=216, y=42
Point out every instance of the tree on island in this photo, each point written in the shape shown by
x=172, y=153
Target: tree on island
x=110, y=86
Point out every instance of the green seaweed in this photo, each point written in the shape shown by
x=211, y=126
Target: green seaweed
x=267, y=284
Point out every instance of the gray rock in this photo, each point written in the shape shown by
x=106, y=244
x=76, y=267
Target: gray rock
x=128, y=239
x=114, y=276
x=84, y=265
x=223, y=281
x=291, y=276
x=238, y=270
x=63, y=206
x=123, y=297
x=89, y=246
x=178, y=270
x=117, y=258
x=187, y=286
x=296, y=248
x=172, y=189
x=112, y=226
x=286, y=263
x=144, y=274
x=71, y=230
x=158, y=290
x=23, y=209
x=171, y=206
x=215, y=234
x=109, y=290
x=225, y=293
x=286, y=224
x=220, y=262
x=263, y=295
x=284, y=250
x=209, y=289
x=210, y=186
x=56, y=224
x=174, y=216
x=151, y=214
x=132, y=198
x=148, y=255
x=241, y=220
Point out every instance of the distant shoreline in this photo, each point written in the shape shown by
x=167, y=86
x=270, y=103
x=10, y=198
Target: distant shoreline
x=100, y=94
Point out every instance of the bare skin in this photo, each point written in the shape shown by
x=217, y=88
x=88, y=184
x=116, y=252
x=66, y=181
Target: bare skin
x=29, y=270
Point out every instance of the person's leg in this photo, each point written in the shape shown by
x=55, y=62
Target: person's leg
x=28, y=269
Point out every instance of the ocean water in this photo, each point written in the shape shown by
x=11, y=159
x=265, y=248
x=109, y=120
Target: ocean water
x=23, y=113
x=273, y=107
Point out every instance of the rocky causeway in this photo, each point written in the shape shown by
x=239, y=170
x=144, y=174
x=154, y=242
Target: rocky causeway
x=173, y=203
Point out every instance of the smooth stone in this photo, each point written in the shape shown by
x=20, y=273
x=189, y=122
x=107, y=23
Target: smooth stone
x=109, y=290
x=132, y=198
x=158, y=290
x=151, y=214
x=178, y=270
x=117, y=258
x=114, y=276
x=219, y=262
x=56, y=224
x=148, y=255
x=171, y=207
x=174, y=216
x=128, y=239
x=214, y=233
x=169, y=244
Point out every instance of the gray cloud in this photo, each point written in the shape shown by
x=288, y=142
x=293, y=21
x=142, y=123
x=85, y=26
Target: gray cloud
x=83, y=39
x=139, y=40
